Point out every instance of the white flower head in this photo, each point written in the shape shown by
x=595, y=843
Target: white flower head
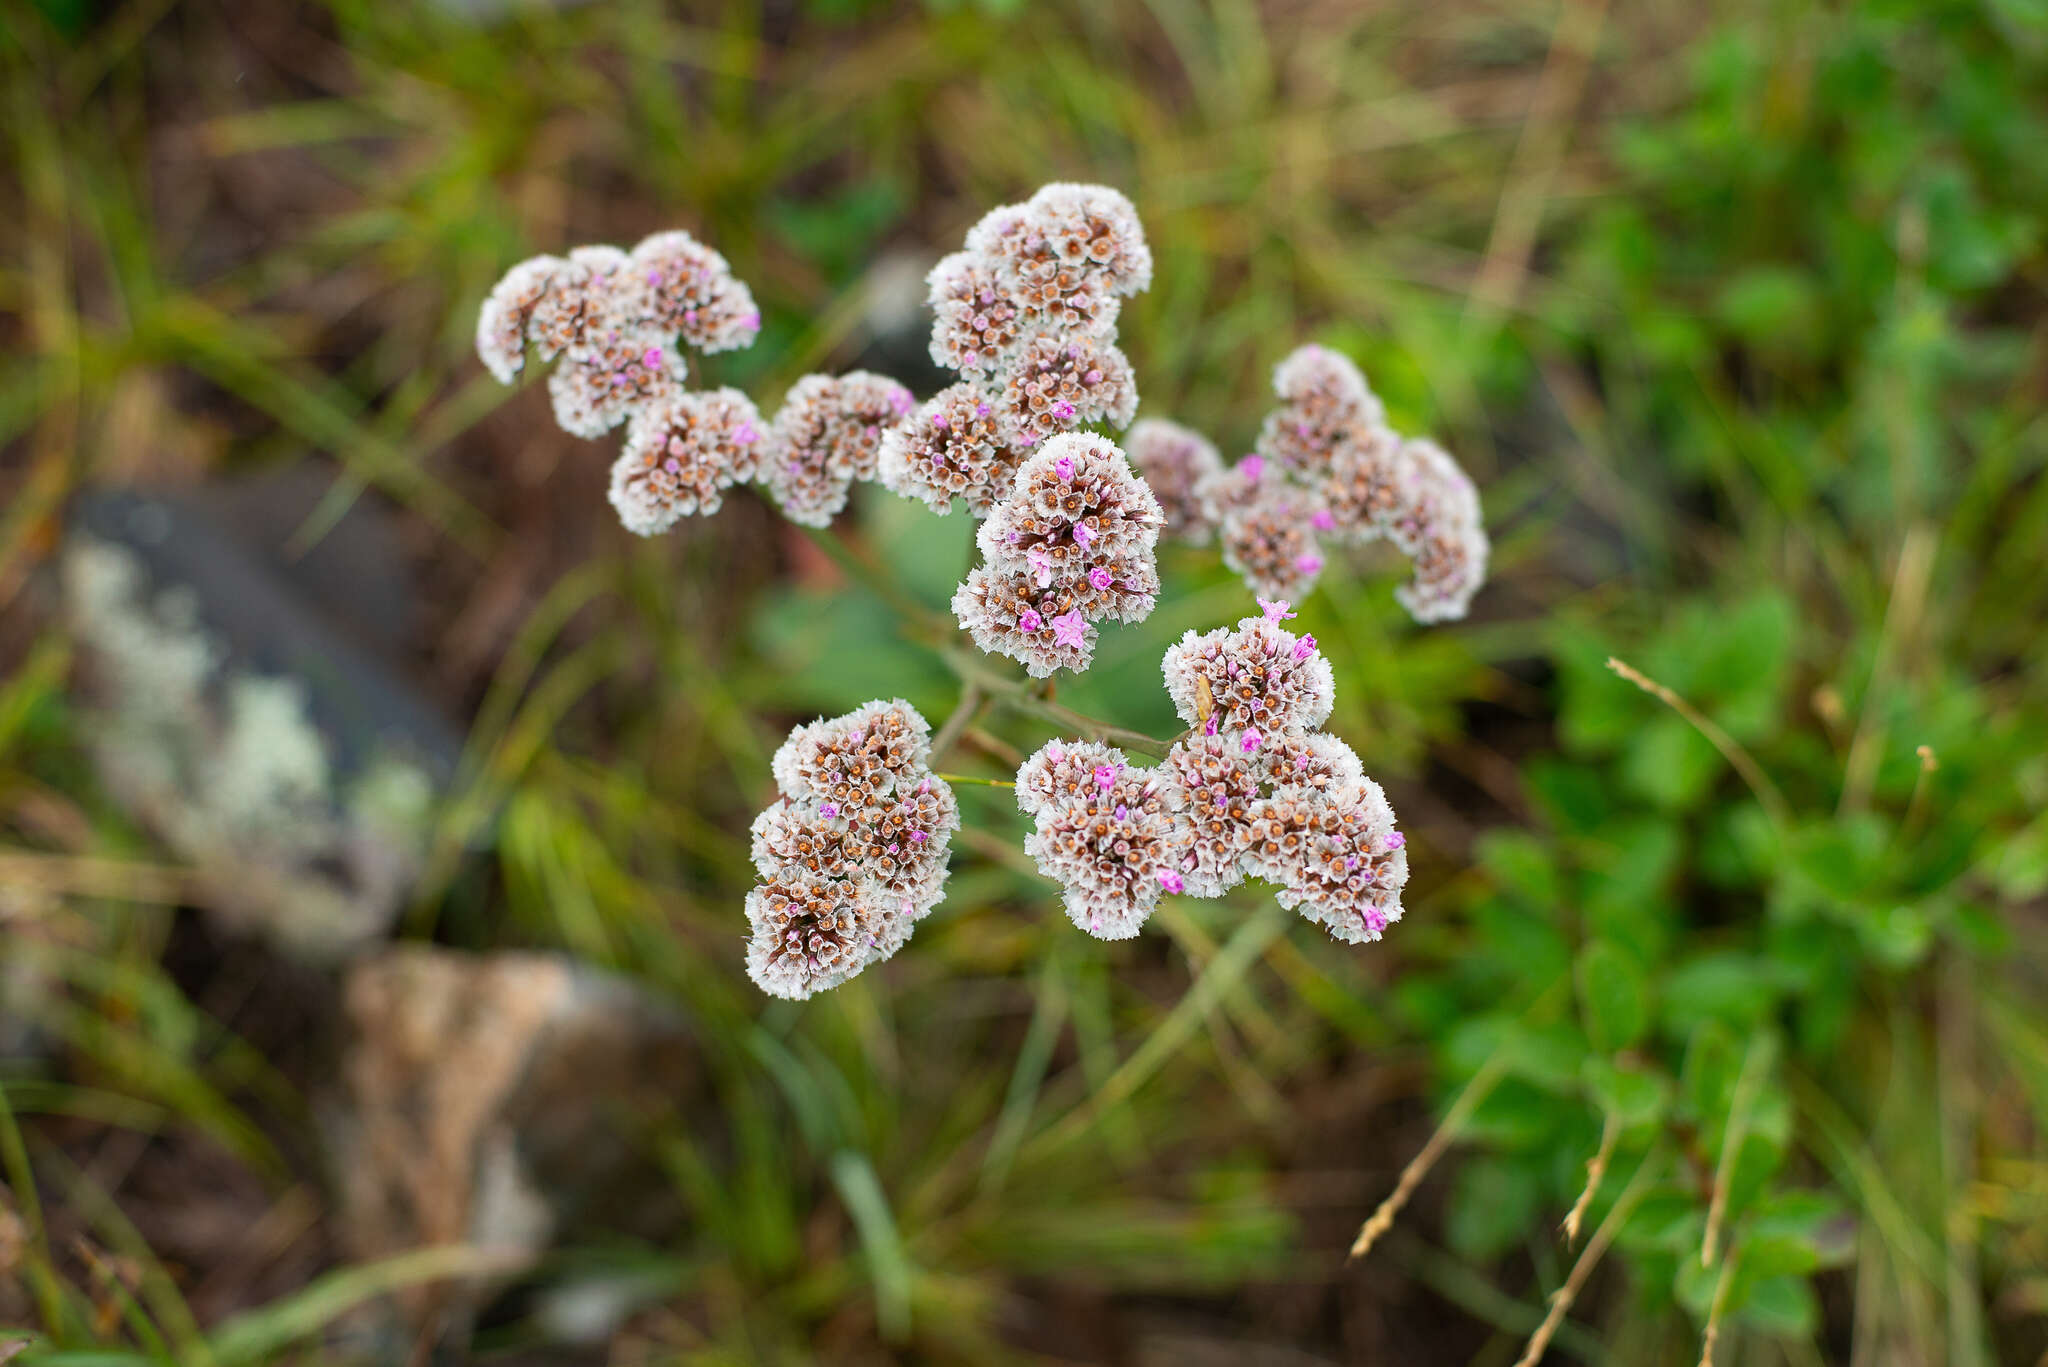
x=1175, y=461
x=1254, y=680
x=682, y=451
x=1115, y=846
x=852, y=854
x=828, y=434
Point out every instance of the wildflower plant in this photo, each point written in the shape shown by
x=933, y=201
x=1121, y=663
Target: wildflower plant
x=853, y=852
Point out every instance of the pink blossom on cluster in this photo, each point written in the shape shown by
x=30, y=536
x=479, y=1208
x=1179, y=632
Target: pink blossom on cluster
x=828, y=434
x=681, y=452
x=1027, y=315
x=1253, y=790
x=1174, y=461
x=1327, y=465
x=1071, y=545
x=853, y=852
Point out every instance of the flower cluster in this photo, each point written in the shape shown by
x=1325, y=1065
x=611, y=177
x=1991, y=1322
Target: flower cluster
x=828, y=434
x=1327, y=465
x=1070, y=545
x=1027, y=315
x=1175, y=461
x=1253, y=790
x=852, y=855
x=614, y=317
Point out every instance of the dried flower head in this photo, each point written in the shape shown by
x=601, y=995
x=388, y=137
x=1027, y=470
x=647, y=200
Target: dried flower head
x=1313, y=760
x=1271, y=540
x=856, y=757
x=808, y=934
x=603, y=378
x=1111, y=837
x=1328, y=466
x=1075, y=505
x=854, y=851
x=681, y=452
x=1175, y=461
x=1060, y=381
x=828, y=434
x=1324, y=401
x=1061, y=770
x=952, y=446
x=1336, y=856
x=1361, y=486
x=1222, y=785
x=1007, y=613
x=1027, y=315
x=614, y=318
x=1072, y=544
x=1257, y=677
x=1438, y=526
x=976, y=320
x=1089, y=228
x=675, y=285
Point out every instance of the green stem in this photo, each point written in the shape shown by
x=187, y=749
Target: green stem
x=973, y=778
x=1019, y=696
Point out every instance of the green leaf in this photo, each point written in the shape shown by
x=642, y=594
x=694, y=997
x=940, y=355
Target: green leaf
x=1614, y=996
x=1633, y=1094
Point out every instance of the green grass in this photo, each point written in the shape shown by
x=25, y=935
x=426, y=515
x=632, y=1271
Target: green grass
x=1737, y=314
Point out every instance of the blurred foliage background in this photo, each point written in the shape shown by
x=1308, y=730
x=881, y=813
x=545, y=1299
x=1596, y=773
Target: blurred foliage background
x=1738, y=312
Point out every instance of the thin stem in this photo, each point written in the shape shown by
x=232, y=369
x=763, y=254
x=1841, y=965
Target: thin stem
x=1596, y=1168
x=1596, y=1248
x=1901, y=618
x=974, y=778
x=1916, y=806
x=1714, y=1309
x=1476, y=1091
x=964, y=713
x=1019, y=696
x=1746, y=1084
x=1731, y=750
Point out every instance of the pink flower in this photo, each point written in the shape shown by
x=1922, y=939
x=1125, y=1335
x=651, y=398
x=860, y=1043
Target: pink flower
x=1029, y=620
x=1101, y=578
x=829, y=810
x=1171, y=881
x=1041, y=564
x=1252, y=741
x=1252, y=466
x=1082, y=534
x=1070, y=628
x=1305, y=647
x=746, y=435
x=1064, y=467
x=1105, y=776
x=1276, y=611
x=1395, y=840
x=1308, y=564
x=651, y=358
x=1323, y=520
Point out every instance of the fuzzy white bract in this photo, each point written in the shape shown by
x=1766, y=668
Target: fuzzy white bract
x=852, y=854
